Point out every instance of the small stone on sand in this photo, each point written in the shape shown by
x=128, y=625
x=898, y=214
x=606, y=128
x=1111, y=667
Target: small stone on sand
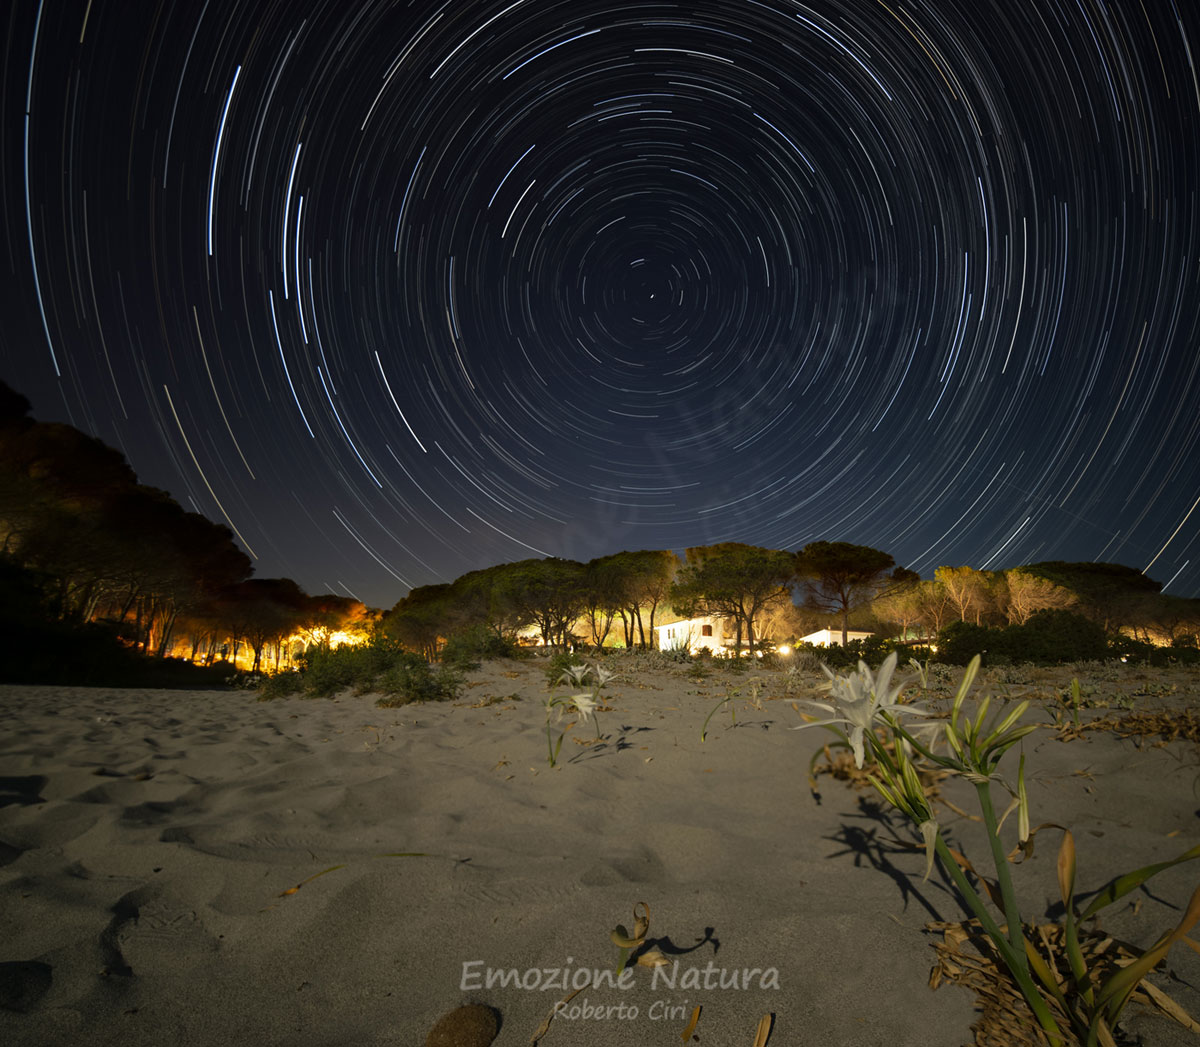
x=471, y=1026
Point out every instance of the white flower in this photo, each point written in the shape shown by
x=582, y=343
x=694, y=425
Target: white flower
x=603, y=676
x=859, y=699
x=585, y=704
x=575, y=674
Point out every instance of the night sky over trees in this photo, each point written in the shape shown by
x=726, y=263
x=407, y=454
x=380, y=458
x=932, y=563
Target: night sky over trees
x=401, y=290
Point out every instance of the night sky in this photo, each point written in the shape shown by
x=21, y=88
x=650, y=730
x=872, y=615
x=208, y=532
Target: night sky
x=401, y=290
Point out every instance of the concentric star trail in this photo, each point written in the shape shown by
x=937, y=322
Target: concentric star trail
x=465, y=280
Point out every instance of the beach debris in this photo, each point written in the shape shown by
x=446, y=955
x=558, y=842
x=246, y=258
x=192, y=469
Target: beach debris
x=966, y=956
x=1168, y=726
x=293, y=890
x=691, y=1026
x=473, y=1025
x=632, y=943
x=764, y=1030
x=545, y=1026
x=334, y=868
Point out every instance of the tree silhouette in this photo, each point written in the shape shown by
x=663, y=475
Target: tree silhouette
x=733, y=581
x=839, y=576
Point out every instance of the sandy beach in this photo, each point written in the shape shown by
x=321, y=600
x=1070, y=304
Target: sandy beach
x=147, y=839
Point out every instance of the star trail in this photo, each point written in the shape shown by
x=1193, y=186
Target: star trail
x=401, y=290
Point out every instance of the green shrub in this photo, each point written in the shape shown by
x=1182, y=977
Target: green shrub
x=1048, y=638
x=1130, y=650
x=872, y=650
x=1053, y=636
x=465, y=650
x=325, y=672
x=281, y=685
x=959, y=642
x=412, y=679
x=558, y=664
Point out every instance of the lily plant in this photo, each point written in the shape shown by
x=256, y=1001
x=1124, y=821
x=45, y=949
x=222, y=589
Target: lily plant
x=584, y=703
x=867, y=713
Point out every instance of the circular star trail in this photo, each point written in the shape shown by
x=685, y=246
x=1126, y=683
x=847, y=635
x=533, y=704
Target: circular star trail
x=399, y=290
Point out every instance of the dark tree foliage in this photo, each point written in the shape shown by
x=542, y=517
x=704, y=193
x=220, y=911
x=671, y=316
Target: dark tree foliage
x=1047, y=638
x=631, y=586
x=839, y=576
x=104, y=550
x=423, y=618
x=1111, y=594
x=548, y=593
x=733, y=581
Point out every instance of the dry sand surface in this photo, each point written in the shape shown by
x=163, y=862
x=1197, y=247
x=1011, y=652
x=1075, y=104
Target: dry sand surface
x=146, y=838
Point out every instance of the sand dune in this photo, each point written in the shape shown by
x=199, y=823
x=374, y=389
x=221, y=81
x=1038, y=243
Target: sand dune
x=146, y=837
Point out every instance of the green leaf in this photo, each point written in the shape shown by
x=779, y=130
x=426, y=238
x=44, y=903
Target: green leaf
x=1116, y=991
x=963, y=689
x=1066, y=869
x=1122, y=885
x=1022, y=804
x=997, y=736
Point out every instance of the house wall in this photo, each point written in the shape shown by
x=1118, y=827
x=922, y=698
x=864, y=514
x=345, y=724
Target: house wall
x=695, y=633
x=833, y=637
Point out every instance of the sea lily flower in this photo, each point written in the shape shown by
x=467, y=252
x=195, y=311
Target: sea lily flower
x=585, y=704
x=602, y=675
x=859, y=699
x=575, y=674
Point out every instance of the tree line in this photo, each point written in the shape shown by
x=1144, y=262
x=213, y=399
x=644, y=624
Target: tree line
x=1118, y=599
x=621, y=596
x=776, y=594
x=83, y=543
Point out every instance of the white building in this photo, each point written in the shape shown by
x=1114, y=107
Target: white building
x=695, y=634
x=833, y=637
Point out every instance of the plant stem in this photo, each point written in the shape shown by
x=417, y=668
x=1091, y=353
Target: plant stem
x=1012, y=914
x=1029, y=990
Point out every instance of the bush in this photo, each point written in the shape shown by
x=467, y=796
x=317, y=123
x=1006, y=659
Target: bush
x=324, y=672
x=412, y=679
x=959, y=642
x=1048, y=638
x=1053, y=636
x=464, y=650
x=558, y=664
x=872, y=650
x=1130, y=650
x=281, y=685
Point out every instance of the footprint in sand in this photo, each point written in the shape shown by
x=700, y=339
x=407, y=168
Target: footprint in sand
x=150, y=929
x=23, y=983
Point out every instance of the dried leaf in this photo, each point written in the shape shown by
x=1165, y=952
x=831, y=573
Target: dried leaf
x=652, y=958
x=1169, y=1007
x=545, y=1026
x=691, y=1026
x=620, y=936
x=764, y=1030
x=641, y=924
